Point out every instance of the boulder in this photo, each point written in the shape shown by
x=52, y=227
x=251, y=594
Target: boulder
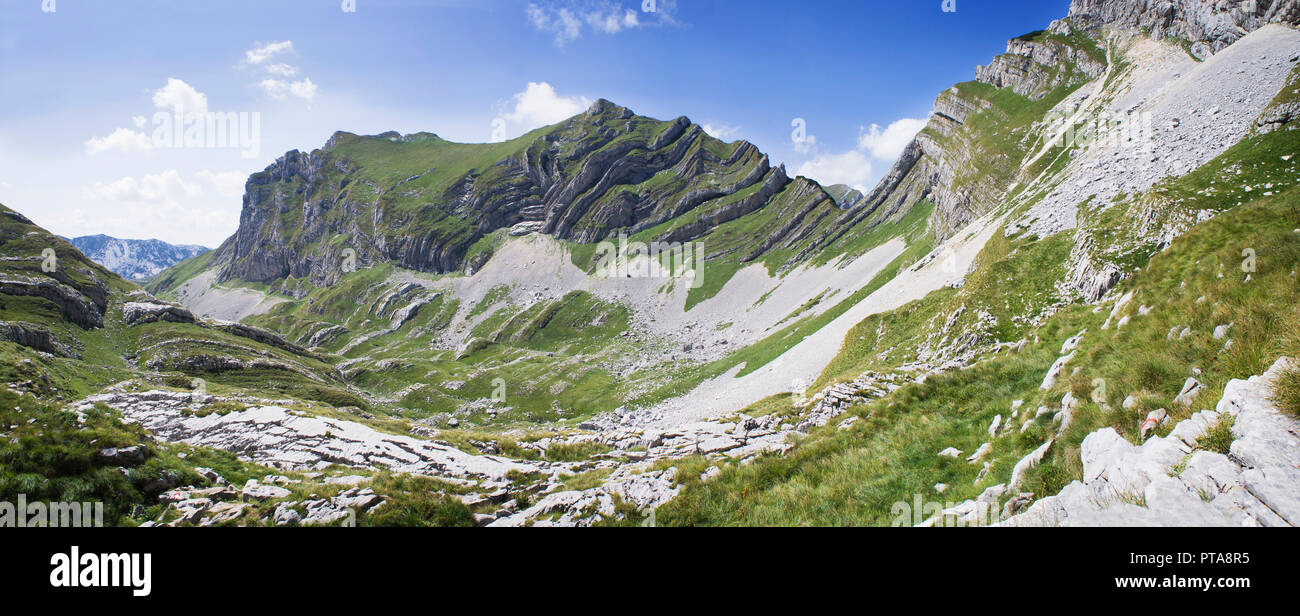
x=255, y=491
x=124, y=456
x=1029, y=461
x=138, y=313
x=1191, y=389
x=980, y=453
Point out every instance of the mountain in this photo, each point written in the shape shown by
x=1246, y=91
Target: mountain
x=1071, y=301
x=424, y=203
x=134, y=259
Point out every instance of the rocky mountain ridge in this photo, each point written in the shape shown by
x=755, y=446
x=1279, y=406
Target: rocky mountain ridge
x=423, y=203
x=1210, y=25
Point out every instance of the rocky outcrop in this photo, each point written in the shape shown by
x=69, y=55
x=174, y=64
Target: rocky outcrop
x=1175, y=481
x=1033, y=68
x=938, y=165
x=645, y=492
x=35, y=337
x=74, y=305
x=294, y=440
x=257, y=334
x=1217, y=23
x=139, y=313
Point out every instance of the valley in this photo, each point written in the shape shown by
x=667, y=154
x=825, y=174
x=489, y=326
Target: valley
x=1073, y=300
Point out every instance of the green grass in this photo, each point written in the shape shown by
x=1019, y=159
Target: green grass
x=416, y=501
x=1287, y=393
x=51, y=457
x=494, y=296
x=1218, y=438
x=574, y=452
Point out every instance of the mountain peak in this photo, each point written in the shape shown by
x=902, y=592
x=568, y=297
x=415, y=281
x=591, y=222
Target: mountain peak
x=606, y=107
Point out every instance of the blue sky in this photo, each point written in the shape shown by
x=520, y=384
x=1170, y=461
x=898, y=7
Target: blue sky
x=82, y=84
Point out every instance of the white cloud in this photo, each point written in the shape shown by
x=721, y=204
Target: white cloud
x=303, y=89
x=164, y=189
x=852, y=168
x=277, y=79
x=262, y=53
x=806, y=145
x=561, y=22
x=280, y=89
x=122, y=139
x=538, y=105
x=722, y=131
x=177, y=93
x=565, y=18
x=283, y=70
x=612, y=22
x=888, y=144
x=174, y=94
x=164, y=205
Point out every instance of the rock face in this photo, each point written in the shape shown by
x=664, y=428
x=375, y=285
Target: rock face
x=938, y=164
x=1185, y=113
x=1214, y=22
x=134, y=259
x=591, y=177
x=1032, y=68
x=35, y=337
x=1172, y=481
x=74, y=305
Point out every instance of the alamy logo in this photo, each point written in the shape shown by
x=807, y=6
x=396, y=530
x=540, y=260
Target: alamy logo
x=49, y=261
x=1105, y=129
x=654, y=260
x=41, y=514
x=208, y=129
x=91, y=570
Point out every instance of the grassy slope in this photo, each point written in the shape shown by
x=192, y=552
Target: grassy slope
x=854, y=476
x=48, y=454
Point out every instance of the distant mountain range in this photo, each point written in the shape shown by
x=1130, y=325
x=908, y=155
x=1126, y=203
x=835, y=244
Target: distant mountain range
x=134, y=259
